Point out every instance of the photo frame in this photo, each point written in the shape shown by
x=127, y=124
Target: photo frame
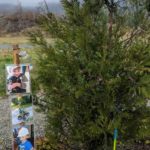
x=18, y=79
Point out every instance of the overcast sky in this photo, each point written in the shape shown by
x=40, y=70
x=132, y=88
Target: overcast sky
x=27, y=2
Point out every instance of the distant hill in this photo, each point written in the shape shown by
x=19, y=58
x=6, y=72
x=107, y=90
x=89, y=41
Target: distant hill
x=6, y=8
x=16, y=18
x=9, y=8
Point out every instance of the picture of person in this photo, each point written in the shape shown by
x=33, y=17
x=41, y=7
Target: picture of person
x=22, y=109
x=23, y=137
x=18, y=79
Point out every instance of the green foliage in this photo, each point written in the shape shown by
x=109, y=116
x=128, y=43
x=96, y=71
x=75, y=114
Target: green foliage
x=3, y=61
x=24, y=100
x=92, y=83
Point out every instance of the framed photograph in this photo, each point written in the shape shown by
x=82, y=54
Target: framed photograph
x=22, y=109
x=18, y=79
x=22, y=121
x=23, y=137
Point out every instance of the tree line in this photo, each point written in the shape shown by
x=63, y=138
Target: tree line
x=17, y=21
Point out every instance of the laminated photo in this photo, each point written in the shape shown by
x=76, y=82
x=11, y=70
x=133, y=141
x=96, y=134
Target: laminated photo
x=18, y=79
x=23, y=137
x=22, y=109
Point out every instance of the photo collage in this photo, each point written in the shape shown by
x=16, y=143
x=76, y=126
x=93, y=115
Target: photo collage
x=18, y=87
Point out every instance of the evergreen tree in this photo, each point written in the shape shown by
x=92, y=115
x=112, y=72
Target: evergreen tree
x=94, y=75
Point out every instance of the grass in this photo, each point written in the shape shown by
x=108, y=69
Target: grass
x=20, y=39
x=13, y=39
x=3, y=61
x=22, y=106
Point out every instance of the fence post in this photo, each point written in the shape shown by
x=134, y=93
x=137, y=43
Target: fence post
x=16, y=59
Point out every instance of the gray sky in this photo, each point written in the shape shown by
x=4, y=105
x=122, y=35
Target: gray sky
x=27, y=2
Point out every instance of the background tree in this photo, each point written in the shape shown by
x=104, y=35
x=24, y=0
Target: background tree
x=94, y=77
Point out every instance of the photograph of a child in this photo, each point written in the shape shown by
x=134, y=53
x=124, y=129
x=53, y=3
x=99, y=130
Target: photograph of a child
x=18, y=79
x=23, y=137
x=22, y=109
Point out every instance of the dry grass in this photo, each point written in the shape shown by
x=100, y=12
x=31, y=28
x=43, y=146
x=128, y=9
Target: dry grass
x=13, y=39
x=20, y=39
